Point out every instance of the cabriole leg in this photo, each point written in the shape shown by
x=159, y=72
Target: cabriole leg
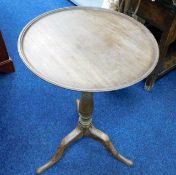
x=104, y=139
x=68, y=140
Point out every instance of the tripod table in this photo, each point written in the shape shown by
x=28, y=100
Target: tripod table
x=87, y=50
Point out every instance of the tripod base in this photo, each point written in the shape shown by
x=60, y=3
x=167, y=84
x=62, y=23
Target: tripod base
x=77, y=134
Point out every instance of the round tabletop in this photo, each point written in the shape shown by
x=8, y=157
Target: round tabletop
x=88, y=49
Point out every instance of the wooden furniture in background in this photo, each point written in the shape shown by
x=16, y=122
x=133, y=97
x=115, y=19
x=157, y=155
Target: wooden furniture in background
x=6, y=64
x=88, y=50
x=163, y=19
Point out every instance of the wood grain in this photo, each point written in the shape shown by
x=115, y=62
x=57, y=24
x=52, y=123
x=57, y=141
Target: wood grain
x=88, y=49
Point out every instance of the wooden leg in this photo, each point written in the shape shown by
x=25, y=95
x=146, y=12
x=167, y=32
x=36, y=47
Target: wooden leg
x=150, y=80
x=167, y=38
x=104, y=139
x=68, y=140
x=6, y=66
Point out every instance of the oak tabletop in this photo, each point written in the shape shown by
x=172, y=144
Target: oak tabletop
x=88, y=49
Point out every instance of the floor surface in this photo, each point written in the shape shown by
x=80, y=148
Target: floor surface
x=35, y=116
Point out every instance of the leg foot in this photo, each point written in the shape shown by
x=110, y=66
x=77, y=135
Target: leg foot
x=104, y=139
x=69, y=139
x=6, y=66
x=150, y=81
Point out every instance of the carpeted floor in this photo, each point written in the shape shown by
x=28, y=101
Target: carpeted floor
x=34, y=116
